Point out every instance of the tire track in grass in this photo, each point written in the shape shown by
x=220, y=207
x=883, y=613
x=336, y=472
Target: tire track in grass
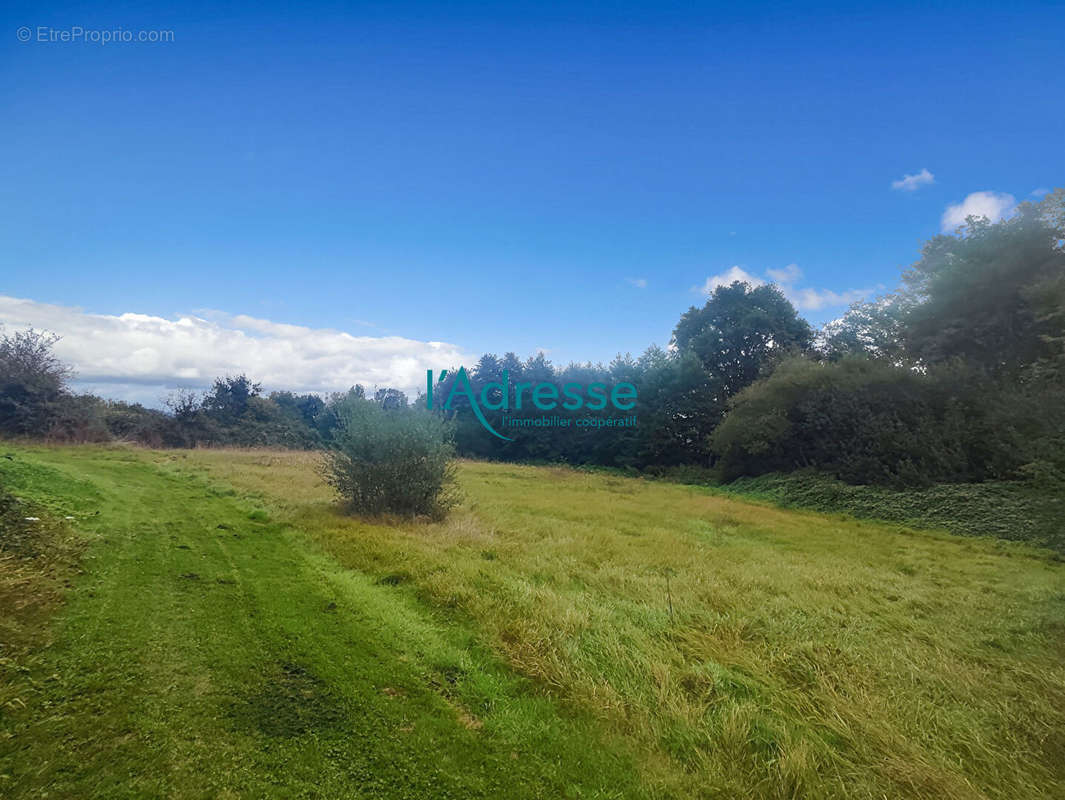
x=298, y=678
x=85, y=666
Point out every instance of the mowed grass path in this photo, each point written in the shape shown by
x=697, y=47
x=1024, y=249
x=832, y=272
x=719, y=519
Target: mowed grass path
x=562, y=634
x=211, y=651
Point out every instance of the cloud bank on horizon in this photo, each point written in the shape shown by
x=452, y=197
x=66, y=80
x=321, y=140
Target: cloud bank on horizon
x=140, y=357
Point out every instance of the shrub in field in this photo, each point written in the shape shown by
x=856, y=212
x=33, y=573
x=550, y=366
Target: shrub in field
x=390, y=458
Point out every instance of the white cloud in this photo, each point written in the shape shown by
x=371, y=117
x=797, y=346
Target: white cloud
x=993, y=205
x=804, y=299
x=727, y=278
x=1040, y=192
x=111, y=354
x=911, y=183
x=817, y=299
x=785, y=275
x=639, y=283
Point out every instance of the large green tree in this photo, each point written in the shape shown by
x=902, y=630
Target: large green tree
x=738, y=332
x=872, y=328
x=991, y=295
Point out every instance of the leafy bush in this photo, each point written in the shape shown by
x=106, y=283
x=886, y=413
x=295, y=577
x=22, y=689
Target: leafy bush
x=78, y=418
x=869, y=421
x=132, y=422
x=386, y=458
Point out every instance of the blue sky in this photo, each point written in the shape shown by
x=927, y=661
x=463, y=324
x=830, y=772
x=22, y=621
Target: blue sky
x=506, y=177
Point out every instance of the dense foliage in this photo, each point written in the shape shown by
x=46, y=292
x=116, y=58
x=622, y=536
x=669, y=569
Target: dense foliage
x=960, y=376
x=870, y=421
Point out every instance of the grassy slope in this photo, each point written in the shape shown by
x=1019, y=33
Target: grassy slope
x=209, y=651
x=806, y=655
x=1021, y=511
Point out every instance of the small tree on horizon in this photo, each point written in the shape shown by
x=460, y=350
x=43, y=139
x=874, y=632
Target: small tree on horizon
x=33, y=381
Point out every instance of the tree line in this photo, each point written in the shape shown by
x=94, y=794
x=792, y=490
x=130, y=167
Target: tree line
x=957, y=376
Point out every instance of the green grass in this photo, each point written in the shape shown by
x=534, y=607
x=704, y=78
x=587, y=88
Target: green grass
x=1017, y=510
x=562, y=634
x=210, y=651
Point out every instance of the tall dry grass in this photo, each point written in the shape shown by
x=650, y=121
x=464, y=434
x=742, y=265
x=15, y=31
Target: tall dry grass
x=806, y=655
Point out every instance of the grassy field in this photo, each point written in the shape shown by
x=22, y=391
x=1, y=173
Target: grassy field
x=226, y=632
x=1026, y=511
